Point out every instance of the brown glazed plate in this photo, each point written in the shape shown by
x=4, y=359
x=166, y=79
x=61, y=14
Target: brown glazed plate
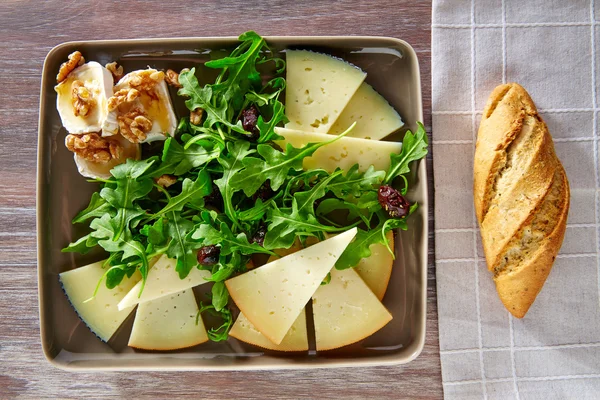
x=392, y=69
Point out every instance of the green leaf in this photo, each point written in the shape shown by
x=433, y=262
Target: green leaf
x=306, y=200
x=228, y=242
x=355, y=182
x=155, y=232
x=179, y=160
x=97, y=208
x=414, y=147
x=259, y=209
x=202, y=98
x=192, y=192
x=334, y=204
x=267, y=129
x=232, y=162
x=180, y=247
x=80, y=246
x=132, y=169
x=220, y=295
x=221, y=332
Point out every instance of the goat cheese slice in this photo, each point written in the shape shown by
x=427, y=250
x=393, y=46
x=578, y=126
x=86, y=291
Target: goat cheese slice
x=375, y=118
x=98, y=83
x=168, y=323
x=318, y=88
x=154, y=101
x=163, y=280
x=101, y=313
x=296, y=339
x=343, y=153
x=346, y=311
x=272, y=296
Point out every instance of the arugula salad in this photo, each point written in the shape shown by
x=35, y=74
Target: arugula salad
x=226, y=190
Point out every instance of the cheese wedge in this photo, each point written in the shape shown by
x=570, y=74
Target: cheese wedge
x=100, y=314
x=346, y=311
x=318, y=88
x=296, y=339
x=376, y=269
x=375, y=118
x=168, y=323
x=163, y=280
x=272, y=296
x=343, y=153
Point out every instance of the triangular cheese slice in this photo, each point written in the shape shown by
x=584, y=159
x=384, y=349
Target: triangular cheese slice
x=296, y=339
x=272, y=296
x=343, y=153
x=374, y=117
x=318, y=88
x=163, y=280
x=346, y=311
x=101, y=313
x=376, y=269
x=168, y=323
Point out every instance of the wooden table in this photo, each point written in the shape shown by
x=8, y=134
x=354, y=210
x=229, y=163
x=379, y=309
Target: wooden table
x=28, y=30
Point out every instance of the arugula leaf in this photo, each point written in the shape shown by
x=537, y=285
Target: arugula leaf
x=414, y=147
x=83, y=245
x=155, y=232
x=220, y=295
x=201, y=98
x=104, y=231
x=231, y=163
x=306, y=200
x=229, y=243
x=179, y=160
x=267, y=129
x=334, y=204
x=192, y=192
x=286, y=224
x=180, y=247
x=355, y=183
x=262, y=99
x=221, y=332
x=258, y=210
x=97, y=208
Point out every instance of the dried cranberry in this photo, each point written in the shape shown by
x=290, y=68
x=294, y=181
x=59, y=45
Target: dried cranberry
x=264, y=192
x=209, y=255
x=393, y=202
x=214, y=198
x=249, y=119
x=259, y=235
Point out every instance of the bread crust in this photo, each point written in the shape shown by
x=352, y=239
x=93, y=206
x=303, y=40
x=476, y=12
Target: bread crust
x=521, y=196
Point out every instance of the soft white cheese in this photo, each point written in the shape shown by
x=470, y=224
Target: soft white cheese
x=156, y=103
x=101, y=313
x=99, y=81
x=375, y=118
x=343, y=153
x=168, y=323
x=346, y=311
x=272, y=296
x=93, y=170
x=296, y=339
x=318, y=88
x=163, y=280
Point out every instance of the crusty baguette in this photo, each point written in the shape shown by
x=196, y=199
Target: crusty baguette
x=521, y=196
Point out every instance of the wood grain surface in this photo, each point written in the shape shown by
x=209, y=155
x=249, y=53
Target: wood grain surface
x=28, y=30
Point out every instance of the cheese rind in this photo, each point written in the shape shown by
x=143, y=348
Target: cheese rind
x=343, y=153
x=272, y=296
x=346, y=311
x=376, y=269
x=375, y=118
x=318, y=88
x=101, y=313
x=296, y=339
x=168, y=323
x=99, y=81
x=163, y=280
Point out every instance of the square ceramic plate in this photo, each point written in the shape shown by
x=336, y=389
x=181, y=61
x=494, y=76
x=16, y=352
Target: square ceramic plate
x=392, y=69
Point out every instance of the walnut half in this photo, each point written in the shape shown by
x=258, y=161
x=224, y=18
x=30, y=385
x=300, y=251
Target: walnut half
x=172, y=78
x=116, y=70
x=134, y=125
x=74, y=61
x=92, y=147
x=82, y=99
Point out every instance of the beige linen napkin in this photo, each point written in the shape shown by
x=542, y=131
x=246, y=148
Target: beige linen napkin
x=552, y=49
